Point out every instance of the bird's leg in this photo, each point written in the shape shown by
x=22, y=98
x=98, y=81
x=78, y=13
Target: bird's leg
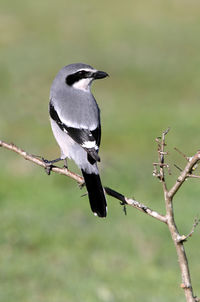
x=49, y=164
x=65, y=163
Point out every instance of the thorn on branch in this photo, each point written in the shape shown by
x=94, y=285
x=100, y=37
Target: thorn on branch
x=189, y=159
x=181, y=153
x=177, y=167
x=166, y=131
x=158, y=170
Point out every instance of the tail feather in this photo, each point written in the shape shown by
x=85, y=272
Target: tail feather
x=96, y=194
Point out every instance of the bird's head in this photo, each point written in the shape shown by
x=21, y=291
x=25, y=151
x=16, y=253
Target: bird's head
x=80, y=76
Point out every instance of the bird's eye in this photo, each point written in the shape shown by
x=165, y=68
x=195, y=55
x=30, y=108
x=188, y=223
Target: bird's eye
x=75, y=77
x=82, y=73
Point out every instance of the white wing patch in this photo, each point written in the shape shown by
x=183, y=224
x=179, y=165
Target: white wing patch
x=90, y=145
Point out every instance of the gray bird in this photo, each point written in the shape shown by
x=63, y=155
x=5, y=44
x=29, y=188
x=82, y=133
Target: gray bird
x=75, y=122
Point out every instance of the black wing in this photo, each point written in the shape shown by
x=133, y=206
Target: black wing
x=88, y=140
x=97, y=135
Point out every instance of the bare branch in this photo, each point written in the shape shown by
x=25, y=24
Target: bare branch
x=80, y=180
x=40, y=162
x=177, y=167
x=168, y=195
x=195, y=224
x=184, y=174
x=136, y=204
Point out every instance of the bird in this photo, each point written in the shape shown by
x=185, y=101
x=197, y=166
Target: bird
x=75, y=122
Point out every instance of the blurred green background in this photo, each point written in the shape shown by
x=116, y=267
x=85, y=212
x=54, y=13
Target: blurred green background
x=52, y=248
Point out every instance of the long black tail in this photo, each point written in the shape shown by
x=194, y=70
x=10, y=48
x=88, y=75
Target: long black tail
x=96, y=194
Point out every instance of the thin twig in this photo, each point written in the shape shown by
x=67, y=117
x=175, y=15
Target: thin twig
x=136, y=204
x=193, y=176
x=184, y=174
x=195, y=224
x=40, y=162
x=161, y=159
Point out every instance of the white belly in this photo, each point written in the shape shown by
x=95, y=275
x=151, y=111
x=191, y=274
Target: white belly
x=70, y=149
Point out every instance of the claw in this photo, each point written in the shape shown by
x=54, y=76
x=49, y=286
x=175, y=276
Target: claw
x=48, y=169
x=49, y=163
x=48, y=166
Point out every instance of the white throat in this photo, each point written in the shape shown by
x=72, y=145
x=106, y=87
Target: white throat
x=83, y=84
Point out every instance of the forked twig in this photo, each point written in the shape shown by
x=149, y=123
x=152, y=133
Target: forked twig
x=195, y=224
x=168, y=196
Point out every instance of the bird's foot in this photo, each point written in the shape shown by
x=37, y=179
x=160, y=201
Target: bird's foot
x=49, y=164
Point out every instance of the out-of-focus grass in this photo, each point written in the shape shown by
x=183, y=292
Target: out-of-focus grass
x=51, y=246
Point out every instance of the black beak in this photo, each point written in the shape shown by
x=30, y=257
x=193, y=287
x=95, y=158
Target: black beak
x=100, y=75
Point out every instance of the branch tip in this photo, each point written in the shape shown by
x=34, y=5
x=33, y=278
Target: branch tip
x=166, y=131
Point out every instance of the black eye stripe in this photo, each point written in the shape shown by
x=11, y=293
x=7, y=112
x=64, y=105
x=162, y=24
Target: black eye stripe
x=84, y=73
x=75, y=77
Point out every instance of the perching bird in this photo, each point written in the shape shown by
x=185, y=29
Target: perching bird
x=75, y=121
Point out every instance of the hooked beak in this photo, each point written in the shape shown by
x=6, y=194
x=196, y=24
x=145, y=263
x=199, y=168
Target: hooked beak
x=100, y=75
